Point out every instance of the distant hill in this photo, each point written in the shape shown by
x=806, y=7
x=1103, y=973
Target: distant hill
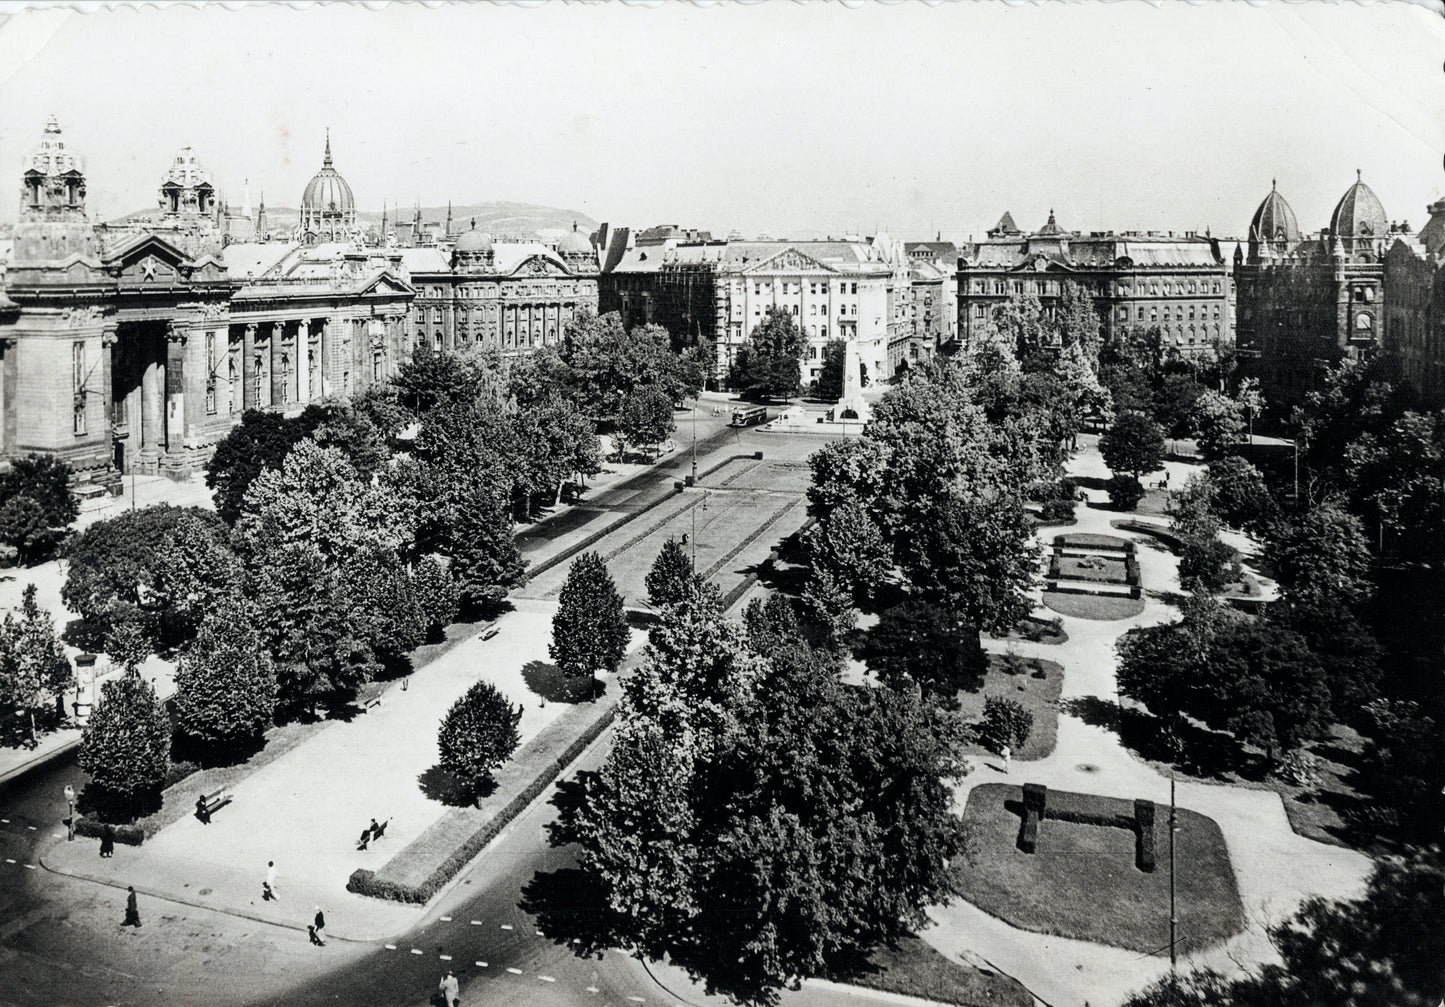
x=499, y=219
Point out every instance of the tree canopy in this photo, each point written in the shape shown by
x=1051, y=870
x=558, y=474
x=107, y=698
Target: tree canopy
x=1133, y=444
x=769, y=364
x=589, y=630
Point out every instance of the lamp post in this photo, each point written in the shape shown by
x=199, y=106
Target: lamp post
x=1173, y=916
x=70, y=813
x=694, y=440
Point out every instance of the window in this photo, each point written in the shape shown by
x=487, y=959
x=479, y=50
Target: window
x=812, y=309
x=795, y=309
x=1123, y=314
x=855, y=289
x=823, y=332
x=1153, y=314
x=1216, y=286
x=1141, y=314
x=1192, y=287
x=1191, y=312
x=231, y=377
x=812, y=353
x=210, y=374
x=77, y=384
x=377, y=367
x=978, y=311
x=437, y=342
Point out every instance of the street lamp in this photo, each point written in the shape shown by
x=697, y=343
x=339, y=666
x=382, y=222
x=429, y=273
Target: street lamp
x=1173, y=916
x=70, y=816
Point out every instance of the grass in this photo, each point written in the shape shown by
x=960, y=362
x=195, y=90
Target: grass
x=1083, y=883
x=1087, y=539
x=1035, y=630
x=1093, y=606
x=914, y=968
x=1040, y=696
x=1100, y=568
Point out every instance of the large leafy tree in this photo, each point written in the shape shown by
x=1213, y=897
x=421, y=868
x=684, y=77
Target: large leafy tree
x=226, y=687
x=126, y=746
x=830, y=375
x=1133, y=444
x=485, y=561
x=976, y=559
x=646, y=418
x=757, y=819
x=848, y=543
x=1321, y=557
x=770, y=364
x=1239, y=494
x=670, y=579
x=34, y=670
x=589, y=631
x=433, y=378
x=607, y=363
x=478, y=734
x=261, y=441
x=159, y=567
x=37, y=504
x=1219, y=424
x=916, y=642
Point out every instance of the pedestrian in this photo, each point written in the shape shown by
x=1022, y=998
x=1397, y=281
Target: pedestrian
x=202, y=811
x=107, y=842
x=380, y=830
x=320, y=921
x=1007, y=755
x=315, y=939
x=450, y=990
x=268, y=888
x=132, y=913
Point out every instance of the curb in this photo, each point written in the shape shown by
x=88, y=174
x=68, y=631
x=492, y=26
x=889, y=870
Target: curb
x=38, y=761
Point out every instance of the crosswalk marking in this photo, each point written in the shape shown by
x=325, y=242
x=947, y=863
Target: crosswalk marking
x=391, y=947
x=547, y=979
x=445, y=958
x=481, y=965
x=515, y=972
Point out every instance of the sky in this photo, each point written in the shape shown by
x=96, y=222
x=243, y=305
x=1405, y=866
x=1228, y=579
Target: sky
x=778, y=116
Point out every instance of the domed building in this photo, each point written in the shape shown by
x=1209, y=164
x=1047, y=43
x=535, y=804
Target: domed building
x=472, y=252
x=1359, y=220
x=1273, y=231
x=575, y=248
x=187, y=189
x=328, y=209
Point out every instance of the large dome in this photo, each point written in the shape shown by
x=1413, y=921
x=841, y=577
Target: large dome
x=574, y=242
x=1274, y=221
x=1359, y=213
x=327, y=192
x=474, y=241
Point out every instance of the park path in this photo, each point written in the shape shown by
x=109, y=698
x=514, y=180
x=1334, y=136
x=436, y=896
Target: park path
x=1275, y=869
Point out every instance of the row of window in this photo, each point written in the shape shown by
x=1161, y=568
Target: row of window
x=788, y=287
x=1053, y=288
x=844, y=310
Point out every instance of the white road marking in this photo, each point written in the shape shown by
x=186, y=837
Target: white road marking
x=9, y=861
x=391, y=947
x=30, y=827
x=481, y=965
x=593, y=989
x=515, y=972
x=637, y=1000
x=446, y=919
x=506, y=926
x=476, y=923
x=547, y=979
x=29, y=867
x=445, y=958
x=540, y=934
x=5, y=820
x=55, y=835
x=416, y=951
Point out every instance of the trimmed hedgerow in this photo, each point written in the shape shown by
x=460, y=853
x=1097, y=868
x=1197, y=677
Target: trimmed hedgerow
x=1144, y=830
x=1036, y=797
x=129, y=835
x=1029, y=831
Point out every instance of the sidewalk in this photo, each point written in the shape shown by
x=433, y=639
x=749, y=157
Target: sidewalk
x=306, y=809
x=1274, y=868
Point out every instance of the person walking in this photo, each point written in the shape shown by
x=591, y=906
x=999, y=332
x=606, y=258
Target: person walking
x=1007, y=754
x=320, y=927
x=450, y=989
x=311, y=933
x=132, y=912
x=107, y=842
x=268, y=888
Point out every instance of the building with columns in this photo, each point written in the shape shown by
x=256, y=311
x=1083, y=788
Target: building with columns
x=136, y=345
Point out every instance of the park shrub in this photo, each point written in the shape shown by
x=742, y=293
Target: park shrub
x=91, y=828
x=1029, y=832
x=1125, y=492
x=1144, y=830
x=1036, y=797
x=367, y=882
x=1057, y=510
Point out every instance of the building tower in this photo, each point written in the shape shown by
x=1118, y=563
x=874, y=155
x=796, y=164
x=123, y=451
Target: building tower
x=52, y=224
x=328, y=209
x=1273, y=232
x=576, y=251
x=187, y=190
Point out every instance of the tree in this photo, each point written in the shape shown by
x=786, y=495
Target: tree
x=1133, y=444
x=385, y=614
x=478, y=734
x=1402, y=769
x=1174, y=398
x=756, y=817
x=589, y=631
x=670, y=578
x=770, y=365
x=1239, y=494
x=1124, y=491
x=1205, y=563
x=1219, y=424
x=919, y=642
x=830, y=375
x=646, y=418
x=126, y=746
x=431, y=378
x=226, y=687
x=1377, y=950
x=485, y=561
x=34, y=671
x=848, y=542
x=160, y=567
x=976, y=559
x=436, y=594
x=261, y=441
x=606, y=363
x=1321, y=557
x=37, y=504
x=1005, y=722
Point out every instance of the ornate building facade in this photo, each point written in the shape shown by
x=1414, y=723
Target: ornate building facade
x=1309, y=301
x=1177, y=283
x=136, y=345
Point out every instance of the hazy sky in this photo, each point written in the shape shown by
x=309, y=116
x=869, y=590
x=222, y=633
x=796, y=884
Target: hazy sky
x=776, y=116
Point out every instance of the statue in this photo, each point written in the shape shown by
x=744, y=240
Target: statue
x=852, y=406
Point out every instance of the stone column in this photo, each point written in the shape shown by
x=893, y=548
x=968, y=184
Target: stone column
x=328, y=351
x=278, y=377
x=303, y=360
x=152, y=385
x=177, y=340
x=107, y=382
x=248, y=367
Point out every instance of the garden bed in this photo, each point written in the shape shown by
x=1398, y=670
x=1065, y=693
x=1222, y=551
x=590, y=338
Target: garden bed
x=1083, y=882
x=1035, y=630
x=1039, y=696
x=1093, y=606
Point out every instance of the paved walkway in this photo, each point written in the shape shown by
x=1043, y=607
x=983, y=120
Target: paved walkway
x=1274, y=868
x=306, y=809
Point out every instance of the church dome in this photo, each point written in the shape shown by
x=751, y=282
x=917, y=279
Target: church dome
x=1274, y=221
x=186, y=171
x=574, y=242
x=327, y=192
x=474, y=241
x=1359, y=213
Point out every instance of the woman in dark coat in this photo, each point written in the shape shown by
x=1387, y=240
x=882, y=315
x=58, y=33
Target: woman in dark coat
x=107, y=842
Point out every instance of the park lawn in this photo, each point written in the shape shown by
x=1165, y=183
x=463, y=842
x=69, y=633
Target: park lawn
x=1083, y=883
x=1035, y=629
x=1101, y=568
x=1040, y=696
x=1088, y=540
x=1094, y=606
x=915, y=968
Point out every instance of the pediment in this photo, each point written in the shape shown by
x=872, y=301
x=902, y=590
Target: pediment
x=790, y=260
x=538, y=265
x=150, y=260
x=386, y=284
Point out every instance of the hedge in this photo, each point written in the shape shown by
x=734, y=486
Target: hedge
x=1144, y=831
x=1036, y=797
x=129, y=835
x=367, y=882
x=1029, y=833
x=1086, y=809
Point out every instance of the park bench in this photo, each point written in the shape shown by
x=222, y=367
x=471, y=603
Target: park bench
x=372, y=702
x=489, y=632
x=216, y=800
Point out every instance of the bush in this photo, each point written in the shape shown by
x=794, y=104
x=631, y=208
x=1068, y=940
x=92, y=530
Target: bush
x=126, y=835
x=1144, y=830
x=478, y=734
x=126, y=747
x=1036, y=797
x=1005, y=722
x=1125, y=492
x=1057, y=510
x=38, y=505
